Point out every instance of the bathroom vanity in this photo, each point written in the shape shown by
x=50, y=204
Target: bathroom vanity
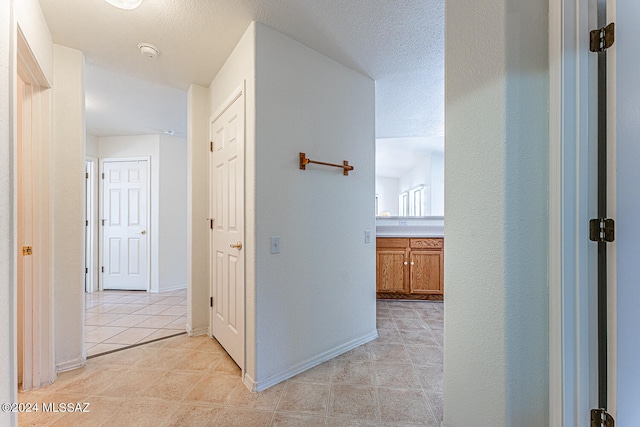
x=410, y=258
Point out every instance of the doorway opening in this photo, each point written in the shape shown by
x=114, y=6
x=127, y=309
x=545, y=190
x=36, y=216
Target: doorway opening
x=36, y=365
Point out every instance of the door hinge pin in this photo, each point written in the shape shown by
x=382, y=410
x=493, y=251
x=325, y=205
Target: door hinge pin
x=602, y=38
x=211, y=146
x=601, y=418
x=602, y=230
x=86, y=270
x=210, y=301
x=102, y=269
x=87, y=175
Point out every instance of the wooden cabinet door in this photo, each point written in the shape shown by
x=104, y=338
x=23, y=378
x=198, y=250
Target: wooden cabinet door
x=426, y=268
x=391, y=271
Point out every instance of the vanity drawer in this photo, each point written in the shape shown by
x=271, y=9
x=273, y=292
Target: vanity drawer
x=434, y=243
x=390, y=242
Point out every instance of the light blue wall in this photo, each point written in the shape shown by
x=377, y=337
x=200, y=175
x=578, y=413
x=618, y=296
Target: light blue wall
x=627, y=244
x=496, y=227
x=8, y=375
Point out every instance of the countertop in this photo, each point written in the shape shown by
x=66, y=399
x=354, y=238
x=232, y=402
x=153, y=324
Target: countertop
x=432, y=226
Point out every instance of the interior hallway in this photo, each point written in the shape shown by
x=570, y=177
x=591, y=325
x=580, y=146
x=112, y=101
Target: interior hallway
x=119, y=319
x=395, y=380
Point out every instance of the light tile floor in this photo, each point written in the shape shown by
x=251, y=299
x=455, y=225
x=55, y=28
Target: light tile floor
x=119, y=319
x=395, y=380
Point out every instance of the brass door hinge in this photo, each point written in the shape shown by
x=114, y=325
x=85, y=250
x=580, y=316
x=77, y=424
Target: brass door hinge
x=600, y=418
x=211, y=146
x=602, y=230
x=602, y=38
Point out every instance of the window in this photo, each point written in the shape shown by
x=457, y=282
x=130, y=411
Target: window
x=416, y=201
x=403, y=200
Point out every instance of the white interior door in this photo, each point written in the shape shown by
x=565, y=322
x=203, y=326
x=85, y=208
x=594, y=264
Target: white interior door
x=227, y=184
x=125, y=240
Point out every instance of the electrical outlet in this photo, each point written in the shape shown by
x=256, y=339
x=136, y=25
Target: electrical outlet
x=275, y=245
x=367, y=236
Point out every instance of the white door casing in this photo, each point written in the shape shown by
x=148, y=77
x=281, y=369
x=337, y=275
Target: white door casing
x=91, y=277
x=36, y=360
x=227, y=237
x=125, y=213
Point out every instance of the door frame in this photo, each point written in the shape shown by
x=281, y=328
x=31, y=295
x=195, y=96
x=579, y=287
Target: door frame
x=37, y=311
x=569, y=349
x=92, y=243
x=572, y=202
x=238, y=92
x=150, y=242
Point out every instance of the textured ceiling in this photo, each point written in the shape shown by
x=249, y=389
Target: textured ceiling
x=400, y=44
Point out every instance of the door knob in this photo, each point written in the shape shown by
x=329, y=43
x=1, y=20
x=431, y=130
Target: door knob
x=142, y=232
x=237, y=246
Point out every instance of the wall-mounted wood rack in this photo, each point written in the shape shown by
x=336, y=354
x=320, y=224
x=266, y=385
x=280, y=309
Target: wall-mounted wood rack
x=304, y=161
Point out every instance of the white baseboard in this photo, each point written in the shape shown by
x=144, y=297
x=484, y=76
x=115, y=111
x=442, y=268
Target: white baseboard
x=271, y=380
x=194, y=332
x=71, y=364
x=172, y=288
x=249, y=383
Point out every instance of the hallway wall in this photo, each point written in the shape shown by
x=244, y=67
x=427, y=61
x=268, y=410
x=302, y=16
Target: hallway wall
x=198, y=209
x=317, y=297
x=496, y=228
x=67, y=184
x=8, y=375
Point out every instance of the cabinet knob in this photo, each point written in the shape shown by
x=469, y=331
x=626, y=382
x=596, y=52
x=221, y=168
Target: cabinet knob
x=412, y=262
x=406, y=263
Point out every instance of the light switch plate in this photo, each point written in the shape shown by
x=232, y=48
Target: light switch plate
x=275, y=245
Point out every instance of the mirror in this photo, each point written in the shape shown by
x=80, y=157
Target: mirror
x=410, y=177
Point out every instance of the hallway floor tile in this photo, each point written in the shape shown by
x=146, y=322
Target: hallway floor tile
x=183, y=381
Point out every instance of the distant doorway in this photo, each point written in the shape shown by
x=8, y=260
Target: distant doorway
x=125, y=224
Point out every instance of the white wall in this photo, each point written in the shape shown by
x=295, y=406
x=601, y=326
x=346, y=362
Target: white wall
x=239, y=68
x=168, y=228
x=8, y=375
x=91, y=145
x=496, y=328
x=198, y=203
x=172, y=256
x=420, y=174
x=627, y=200
x=317, y=297
x=437, y=184
x=387, y=190
x=68, y=157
